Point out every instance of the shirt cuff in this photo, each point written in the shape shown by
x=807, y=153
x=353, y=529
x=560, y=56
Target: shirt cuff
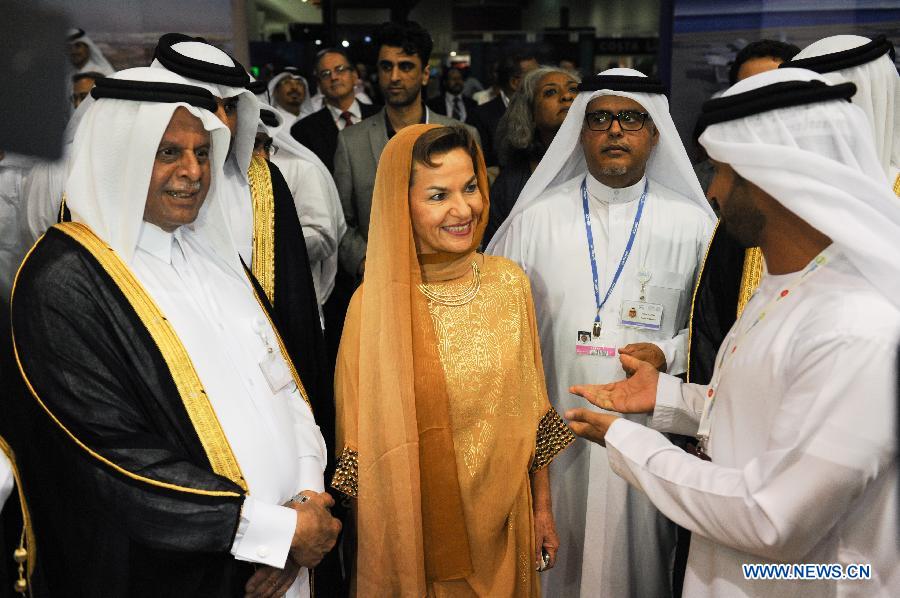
x=669, y=415
x=264, y=533
x=630, y=441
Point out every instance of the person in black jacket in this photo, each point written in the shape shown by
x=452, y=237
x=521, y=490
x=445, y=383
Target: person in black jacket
x=340, y=108
x=452, y=102
x=525, y=132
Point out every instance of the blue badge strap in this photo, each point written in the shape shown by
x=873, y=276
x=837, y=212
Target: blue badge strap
x=592, y=254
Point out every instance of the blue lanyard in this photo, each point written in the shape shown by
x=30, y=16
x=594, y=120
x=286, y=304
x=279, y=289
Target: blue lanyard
x=590, y=240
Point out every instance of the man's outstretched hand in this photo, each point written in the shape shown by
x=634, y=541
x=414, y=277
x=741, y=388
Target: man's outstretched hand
x=636, y=394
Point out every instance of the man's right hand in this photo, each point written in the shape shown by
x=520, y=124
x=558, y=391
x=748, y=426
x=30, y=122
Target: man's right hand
x=636, y=394
x=316, y=531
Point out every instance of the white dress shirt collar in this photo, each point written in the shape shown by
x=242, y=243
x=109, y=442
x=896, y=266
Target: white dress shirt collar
x=157, y=242
x=354, y=110
x=610, y=195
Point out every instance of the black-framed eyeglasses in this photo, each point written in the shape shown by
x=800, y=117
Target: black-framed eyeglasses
x=629, y=120
x=338, y=70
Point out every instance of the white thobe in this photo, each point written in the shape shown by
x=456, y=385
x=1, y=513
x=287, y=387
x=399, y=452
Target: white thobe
x=273, y=433
x=42, y=196
x=802, y=442
x=13, y=240
x=321, y=217
x=613, y=542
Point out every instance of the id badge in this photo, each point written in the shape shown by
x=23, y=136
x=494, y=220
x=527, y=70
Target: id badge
x=588, y=344
x=640, y=314
x=275, y=371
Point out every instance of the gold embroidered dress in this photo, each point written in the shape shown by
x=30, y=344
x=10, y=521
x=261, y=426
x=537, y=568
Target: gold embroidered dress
x=487, y=356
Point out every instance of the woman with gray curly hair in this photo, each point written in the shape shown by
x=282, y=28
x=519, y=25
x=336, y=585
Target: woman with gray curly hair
x=533, y=117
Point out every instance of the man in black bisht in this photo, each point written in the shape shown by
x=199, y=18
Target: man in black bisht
x=263, y=217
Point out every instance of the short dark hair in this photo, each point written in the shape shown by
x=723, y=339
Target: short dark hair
x=87, y=75
x=321, y=53
x=439, y=141
x=409, y=35
x=764, y=48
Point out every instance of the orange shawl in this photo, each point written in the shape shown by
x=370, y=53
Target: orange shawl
x=392, y=401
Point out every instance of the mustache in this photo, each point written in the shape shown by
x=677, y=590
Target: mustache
x=615, y=146
x=192, y=188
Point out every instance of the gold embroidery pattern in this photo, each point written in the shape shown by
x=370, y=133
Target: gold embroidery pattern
x=263, y=262
x=897, y=186
x=190, y=389
x=28, y=543
x=284, y=353
x=346, y=474
x=479, y=345
x=553, y=435
x=753, y=262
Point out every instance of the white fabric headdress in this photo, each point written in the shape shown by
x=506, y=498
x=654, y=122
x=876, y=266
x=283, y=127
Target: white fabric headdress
x=96, y=62
x=248, y=106
x=819, y=161
x=668, y=166
x=877, y=91
x=112, y=161
x=273, y=83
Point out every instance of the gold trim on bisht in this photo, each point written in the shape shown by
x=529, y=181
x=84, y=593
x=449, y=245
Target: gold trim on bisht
x=752, y=273
x=25, y=553
x=897, y=185
x=284, y=352
x=62, y=209
x=712, y=237
x=553, y=435
x=196, y=403
x=263, y=262
x=346, y=474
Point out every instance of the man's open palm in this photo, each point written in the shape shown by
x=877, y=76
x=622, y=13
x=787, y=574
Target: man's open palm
x=636, y=394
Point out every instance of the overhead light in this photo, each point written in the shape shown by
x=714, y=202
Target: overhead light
x=345, y=43
x=318, y=42
x=367, y=39
x=453, y=53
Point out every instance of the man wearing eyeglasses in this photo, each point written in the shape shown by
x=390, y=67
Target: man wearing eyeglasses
x=341, y=108
x=611, y=229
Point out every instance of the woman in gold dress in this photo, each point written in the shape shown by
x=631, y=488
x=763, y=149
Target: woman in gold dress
x=443, y=419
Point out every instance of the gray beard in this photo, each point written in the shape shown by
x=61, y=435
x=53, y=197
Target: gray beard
x=613, y=170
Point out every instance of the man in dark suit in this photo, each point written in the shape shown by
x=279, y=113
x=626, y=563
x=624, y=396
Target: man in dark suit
x=487, y=116
x=452, y=102
x=340, y=109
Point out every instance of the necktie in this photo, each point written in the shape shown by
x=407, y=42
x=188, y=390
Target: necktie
x=348, y=122
x=457, y=109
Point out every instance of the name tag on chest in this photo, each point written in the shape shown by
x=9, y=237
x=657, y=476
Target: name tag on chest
x=275, y=371
x=640, y=314
x=588, y=344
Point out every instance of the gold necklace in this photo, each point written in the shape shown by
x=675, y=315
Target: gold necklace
x=455, y=299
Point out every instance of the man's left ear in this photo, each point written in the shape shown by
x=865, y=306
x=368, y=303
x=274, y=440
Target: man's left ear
x=426, y=75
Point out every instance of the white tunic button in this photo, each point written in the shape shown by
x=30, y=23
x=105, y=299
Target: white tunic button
x=262, y=551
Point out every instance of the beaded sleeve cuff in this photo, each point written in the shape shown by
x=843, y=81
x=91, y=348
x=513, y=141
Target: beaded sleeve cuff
x=346, y=474
x=553, y=435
